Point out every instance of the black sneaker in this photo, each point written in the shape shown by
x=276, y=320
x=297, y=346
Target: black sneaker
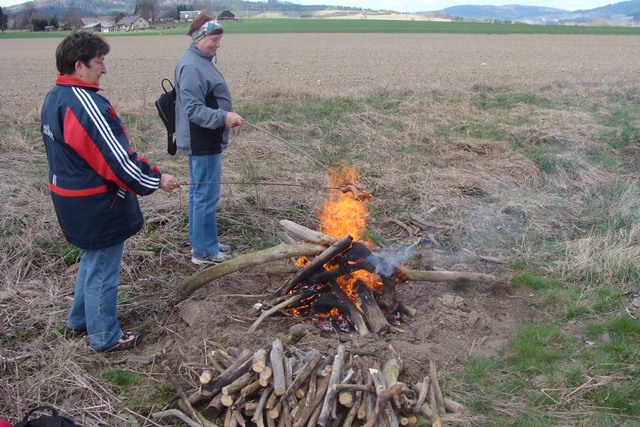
x=128, y=341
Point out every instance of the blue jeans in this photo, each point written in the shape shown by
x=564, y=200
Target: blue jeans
x=203, y=199
x=95, y=302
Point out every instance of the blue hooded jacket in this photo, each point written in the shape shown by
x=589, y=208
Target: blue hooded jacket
x=94, y=176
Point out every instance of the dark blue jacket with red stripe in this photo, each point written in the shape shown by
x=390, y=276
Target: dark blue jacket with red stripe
x=94, y=176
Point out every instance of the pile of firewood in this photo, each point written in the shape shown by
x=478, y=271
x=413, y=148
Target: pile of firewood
x=284, y=386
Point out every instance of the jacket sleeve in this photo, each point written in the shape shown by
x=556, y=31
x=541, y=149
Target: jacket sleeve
x=193, y=92
x=94, y=131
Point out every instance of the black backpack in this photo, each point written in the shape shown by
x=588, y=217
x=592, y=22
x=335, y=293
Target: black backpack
x=166, y=106
x=54, y=420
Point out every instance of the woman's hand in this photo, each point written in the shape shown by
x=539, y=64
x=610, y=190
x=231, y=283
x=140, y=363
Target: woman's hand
x=168, y=182
x=233, y=119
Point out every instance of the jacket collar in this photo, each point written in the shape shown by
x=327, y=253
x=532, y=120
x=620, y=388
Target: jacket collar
x=63, y=79
x=200, y=52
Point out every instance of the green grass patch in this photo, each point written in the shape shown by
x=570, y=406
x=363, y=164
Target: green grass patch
x=624, y=126
x=538, y=348
x=70, y=254
x=508, y=100
x=314, y=25
x=535, y=282
x=551, y=158
x=120, y=377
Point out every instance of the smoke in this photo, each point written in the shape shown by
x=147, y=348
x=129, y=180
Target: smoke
x=388, y=259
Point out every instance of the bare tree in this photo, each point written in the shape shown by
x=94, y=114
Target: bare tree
x=29, y=9
x=147, y=9
x=4, y=21
x=72, y=18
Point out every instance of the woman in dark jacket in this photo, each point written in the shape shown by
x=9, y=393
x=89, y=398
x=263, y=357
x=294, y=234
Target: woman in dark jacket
x=203, y=120
x=95, y=179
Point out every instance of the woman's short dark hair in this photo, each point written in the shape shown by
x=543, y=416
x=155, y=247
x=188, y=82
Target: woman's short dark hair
x=200, y=20
x=79, y=46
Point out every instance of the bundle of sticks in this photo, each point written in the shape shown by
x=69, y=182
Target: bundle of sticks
x=283, y=386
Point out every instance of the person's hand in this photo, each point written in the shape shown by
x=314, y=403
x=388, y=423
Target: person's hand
x=168, y=182
x=233, y=120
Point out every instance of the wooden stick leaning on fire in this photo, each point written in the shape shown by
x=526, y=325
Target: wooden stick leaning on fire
x=308, y=388
x=315, y=243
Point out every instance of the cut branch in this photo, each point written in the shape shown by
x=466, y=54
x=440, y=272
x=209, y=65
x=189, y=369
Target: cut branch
x=306, y=233
x=446, y=276
x=277, y=308
x=329, y=398
x=282, y=251
x=314, y=265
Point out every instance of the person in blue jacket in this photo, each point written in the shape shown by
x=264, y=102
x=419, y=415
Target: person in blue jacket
x=95, y=178
x=204, y=117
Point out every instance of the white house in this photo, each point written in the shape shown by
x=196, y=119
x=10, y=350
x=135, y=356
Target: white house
x=188, y=15
x=135, y=22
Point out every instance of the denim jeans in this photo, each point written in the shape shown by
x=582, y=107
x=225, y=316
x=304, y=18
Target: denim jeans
x=95, y=302
x=203, y=199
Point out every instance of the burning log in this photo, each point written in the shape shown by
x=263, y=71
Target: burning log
x=375, y=319
x=314, y=265
x=277, y=308
x=354, y=312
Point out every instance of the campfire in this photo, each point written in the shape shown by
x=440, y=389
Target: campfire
x=341, y=283
x=348, y=287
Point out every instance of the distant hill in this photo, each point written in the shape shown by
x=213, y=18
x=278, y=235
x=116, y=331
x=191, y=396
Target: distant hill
x=509, y=12
x=622, y=13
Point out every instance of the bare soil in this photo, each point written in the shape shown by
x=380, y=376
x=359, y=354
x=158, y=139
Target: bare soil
x=337, y=65
x=453, y=324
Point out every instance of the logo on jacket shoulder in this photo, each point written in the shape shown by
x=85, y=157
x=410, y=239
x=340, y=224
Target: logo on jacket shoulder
x=46, y=130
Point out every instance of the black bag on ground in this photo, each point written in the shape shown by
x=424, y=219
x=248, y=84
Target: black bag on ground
x=166, y=106
x=53, y=420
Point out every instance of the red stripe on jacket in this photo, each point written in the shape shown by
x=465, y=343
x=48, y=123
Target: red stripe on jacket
x=77, y=138
x=77, y=193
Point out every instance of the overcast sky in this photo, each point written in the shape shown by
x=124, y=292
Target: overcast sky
x=427, y=5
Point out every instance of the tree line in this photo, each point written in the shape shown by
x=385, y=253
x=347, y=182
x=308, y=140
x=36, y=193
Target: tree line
x=36, y=18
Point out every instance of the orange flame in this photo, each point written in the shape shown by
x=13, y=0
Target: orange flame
x=340, y=214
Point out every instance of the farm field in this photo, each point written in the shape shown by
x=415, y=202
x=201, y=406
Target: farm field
x=337, y=65
x=521, y=149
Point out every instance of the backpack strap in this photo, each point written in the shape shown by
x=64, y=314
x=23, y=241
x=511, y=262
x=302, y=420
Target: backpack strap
x=168, y=82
